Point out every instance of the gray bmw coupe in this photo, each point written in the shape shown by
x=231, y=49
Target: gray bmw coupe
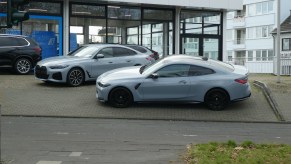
x=88, y=62
x=178, y=78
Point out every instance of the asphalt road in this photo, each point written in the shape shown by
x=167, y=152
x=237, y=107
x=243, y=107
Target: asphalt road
x=37, y=140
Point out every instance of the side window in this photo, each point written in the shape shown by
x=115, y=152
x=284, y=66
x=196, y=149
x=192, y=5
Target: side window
x=198, y=71
x=107, y=52
x=7, y=41
x=119, y=52
x=4, y=42
x=175, y=70
x=11, y=41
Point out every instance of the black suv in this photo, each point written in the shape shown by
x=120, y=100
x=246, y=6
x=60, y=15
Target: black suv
x=19, y=52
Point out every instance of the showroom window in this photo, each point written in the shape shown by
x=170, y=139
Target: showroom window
x=157, y=31
x=87, y=24
x=44, y=26
x=118, y=24
x=205, y=27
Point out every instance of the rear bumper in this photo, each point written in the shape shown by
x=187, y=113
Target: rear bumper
x=243, y=98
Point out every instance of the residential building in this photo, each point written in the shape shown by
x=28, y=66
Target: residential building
x=285, y=49
x=249, y=38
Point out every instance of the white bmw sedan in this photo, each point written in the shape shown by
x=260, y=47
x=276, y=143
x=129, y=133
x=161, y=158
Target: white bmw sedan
x=88, y=62
x=178, y=78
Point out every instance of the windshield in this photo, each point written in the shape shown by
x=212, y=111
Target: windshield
x=84, y=51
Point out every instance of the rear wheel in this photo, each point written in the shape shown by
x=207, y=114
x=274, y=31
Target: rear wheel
x=120, y=97
x=75, y=77
x=216, y=99
x=22, y=66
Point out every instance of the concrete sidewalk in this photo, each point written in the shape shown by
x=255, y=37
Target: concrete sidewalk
x=26, y=96
x=281, y=91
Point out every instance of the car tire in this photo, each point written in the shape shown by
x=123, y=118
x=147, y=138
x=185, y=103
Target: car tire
x=22, y=66
x=75, y=77
x=216, y=99
x=120, y=97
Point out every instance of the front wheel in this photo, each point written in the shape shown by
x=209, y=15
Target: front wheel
x=120, y=97
x=216, y=99
x=75, y=77
x=22, y=66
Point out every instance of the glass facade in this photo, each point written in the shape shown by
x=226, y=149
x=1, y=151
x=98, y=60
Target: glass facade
x=122, y=25
x=201, y=33
x=44, y=26
x=3, y=9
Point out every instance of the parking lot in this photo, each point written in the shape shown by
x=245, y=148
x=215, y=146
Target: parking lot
x=23, y=95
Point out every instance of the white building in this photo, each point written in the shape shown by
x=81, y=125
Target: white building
x=285, y=48
x=249, y=38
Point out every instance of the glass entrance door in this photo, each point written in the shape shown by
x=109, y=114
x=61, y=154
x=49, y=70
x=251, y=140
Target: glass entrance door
x=190, y=46
x=200, y=46
x=211, y=48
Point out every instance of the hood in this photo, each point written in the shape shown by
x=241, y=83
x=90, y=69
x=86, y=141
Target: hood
x=120, y=74
x=58, y=60
x=238, y=69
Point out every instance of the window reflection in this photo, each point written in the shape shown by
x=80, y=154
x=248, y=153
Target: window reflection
x=43, y=7
x=88, y=10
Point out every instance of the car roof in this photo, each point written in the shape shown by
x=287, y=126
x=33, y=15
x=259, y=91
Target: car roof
x=105, y=45
x=199, y=61
x=179, y=58
x=13, y=35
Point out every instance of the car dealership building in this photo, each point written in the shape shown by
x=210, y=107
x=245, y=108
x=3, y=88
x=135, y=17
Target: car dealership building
x=191, y=27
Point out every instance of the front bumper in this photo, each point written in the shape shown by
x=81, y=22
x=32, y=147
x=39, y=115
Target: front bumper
x=46, y=74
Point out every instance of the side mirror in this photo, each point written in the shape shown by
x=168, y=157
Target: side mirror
x=99, y=56
x=154, y=76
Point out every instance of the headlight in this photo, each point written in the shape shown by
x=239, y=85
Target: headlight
x=103, y=85
x=58, y=66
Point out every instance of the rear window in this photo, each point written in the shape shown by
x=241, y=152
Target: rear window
x=32, y=42
x=222, y=65
x=140, y=49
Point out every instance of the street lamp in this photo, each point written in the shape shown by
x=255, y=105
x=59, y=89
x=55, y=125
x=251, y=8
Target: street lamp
x=278, y=41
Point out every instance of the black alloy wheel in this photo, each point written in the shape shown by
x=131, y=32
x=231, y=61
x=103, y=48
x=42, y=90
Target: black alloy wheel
x=120, y=97
x=22, y=66
x=216, y=99
x=75, y=77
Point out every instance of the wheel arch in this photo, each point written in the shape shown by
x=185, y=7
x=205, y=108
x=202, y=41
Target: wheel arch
x=120, y=87
x=25, y=57
x=79, y=67
x=217, y=88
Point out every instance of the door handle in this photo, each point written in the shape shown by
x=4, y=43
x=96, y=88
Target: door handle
x=128, y=60
x=110, y=62
x=182, y=82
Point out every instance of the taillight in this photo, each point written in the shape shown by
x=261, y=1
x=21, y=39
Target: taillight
x=242, y=81
x=155, y=55
x=149, y=59
x=37, y=50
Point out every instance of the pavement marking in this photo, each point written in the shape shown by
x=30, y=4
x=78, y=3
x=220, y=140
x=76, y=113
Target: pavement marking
x=277, y=137
x=62, y=133
x=75, y=154
x=49, y=162
x=190, y=135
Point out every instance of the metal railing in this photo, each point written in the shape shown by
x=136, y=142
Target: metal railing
x=239, y=41
x=263, y=64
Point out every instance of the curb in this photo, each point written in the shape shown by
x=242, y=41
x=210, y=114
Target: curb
x=270, y=99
